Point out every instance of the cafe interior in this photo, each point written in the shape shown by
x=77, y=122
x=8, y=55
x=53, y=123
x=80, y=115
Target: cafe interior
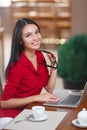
x=59, y=20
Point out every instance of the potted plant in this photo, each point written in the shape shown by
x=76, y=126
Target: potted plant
x=72, y=61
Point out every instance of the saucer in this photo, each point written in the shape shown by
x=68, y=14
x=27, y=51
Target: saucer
x=76, y=123
x=43, y=118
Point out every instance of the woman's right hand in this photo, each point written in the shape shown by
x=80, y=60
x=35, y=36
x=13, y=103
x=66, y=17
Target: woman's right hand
x=47, y=97
x=20, y=102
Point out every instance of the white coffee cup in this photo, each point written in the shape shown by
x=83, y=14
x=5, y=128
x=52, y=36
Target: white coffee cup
x=38, y=111
x=82, y=117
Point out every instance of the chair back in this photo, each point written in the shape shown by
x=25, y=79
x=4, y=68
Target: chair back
x=2, y=80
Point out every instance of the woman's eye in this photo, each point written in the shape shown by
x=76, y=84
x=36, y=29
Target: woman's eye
x=28, y=35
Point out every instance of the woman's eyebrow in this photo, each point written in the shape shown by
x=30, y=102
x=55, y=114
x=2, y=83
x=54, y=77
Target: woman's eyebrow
x=27, y=33
x=31, y=32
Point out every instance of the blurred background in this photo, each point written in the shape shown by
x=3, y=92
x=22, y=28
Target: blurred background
x=58, y=19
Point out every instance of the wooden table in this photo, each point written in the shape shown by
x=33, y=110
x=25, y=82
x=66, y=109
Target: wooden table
x=66, y=124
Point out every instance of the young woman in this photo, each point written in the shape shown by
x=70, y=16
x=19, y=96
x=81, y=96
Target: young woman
x=27, y=73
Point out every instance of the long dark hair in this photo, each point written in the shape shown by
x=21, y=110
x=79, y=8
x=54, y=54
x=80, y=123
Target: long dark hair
x=17, y=47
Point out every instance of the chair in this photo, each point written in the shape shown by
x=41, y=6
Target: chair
x=2, y=80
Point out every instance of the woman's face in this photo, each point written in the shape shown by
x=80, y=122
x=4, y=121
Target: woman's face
x=31, y=37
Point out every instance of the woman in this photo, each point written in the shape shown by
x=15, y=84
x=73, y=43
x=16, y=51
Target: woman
x=27, y=73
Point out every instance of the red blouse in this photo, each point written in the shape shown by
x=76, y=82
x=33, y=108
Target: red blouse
x=24, y=80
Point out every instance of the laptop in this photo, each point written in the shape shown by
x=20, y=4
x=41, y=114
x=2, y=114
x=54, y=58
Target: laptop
x=73, y=99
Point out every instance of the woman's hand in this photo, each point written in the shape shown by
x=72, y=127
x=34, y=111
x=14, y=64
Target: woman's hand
x=47, y=97
x=53, y=57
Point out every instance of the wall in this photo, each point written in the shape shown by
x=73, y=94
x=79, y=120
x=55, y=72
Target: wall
x=79, y=16
x=5, y=15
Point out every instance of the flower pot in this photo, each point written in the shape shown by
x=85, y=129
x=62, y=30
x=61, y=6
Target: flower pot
x=74, y=85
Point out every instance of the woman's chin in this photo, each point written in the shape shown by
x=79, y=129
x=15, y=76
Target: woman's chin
x=37, y=47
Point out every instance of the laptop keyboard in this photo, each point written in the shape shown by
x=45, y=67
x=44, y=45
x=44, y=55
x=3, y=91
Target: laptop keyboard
x=71, y=99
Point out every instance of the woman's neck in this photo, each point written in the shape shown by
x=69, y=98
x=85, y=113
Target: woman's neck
x=30, y=54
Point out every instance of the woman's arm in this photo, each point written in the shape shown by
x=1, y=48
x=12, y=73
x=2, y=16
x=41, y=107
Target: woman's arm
x=52, y=80
x=21, y=102
x=53, y=73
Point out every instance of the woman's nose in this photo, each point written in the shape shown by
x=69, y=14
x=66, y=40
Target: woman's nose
x=34, y=35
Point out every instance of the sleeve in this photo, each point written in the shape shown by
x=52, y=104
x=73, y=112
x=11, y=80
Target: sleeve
x=12, y=82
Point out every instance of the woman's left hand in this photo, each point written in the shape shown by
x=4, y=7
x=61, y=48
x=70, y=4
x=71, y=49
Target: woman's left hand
x=53, y=58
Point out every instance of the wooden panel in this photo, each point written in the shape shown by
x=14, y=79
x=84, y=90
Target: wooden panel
x=53, y=16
